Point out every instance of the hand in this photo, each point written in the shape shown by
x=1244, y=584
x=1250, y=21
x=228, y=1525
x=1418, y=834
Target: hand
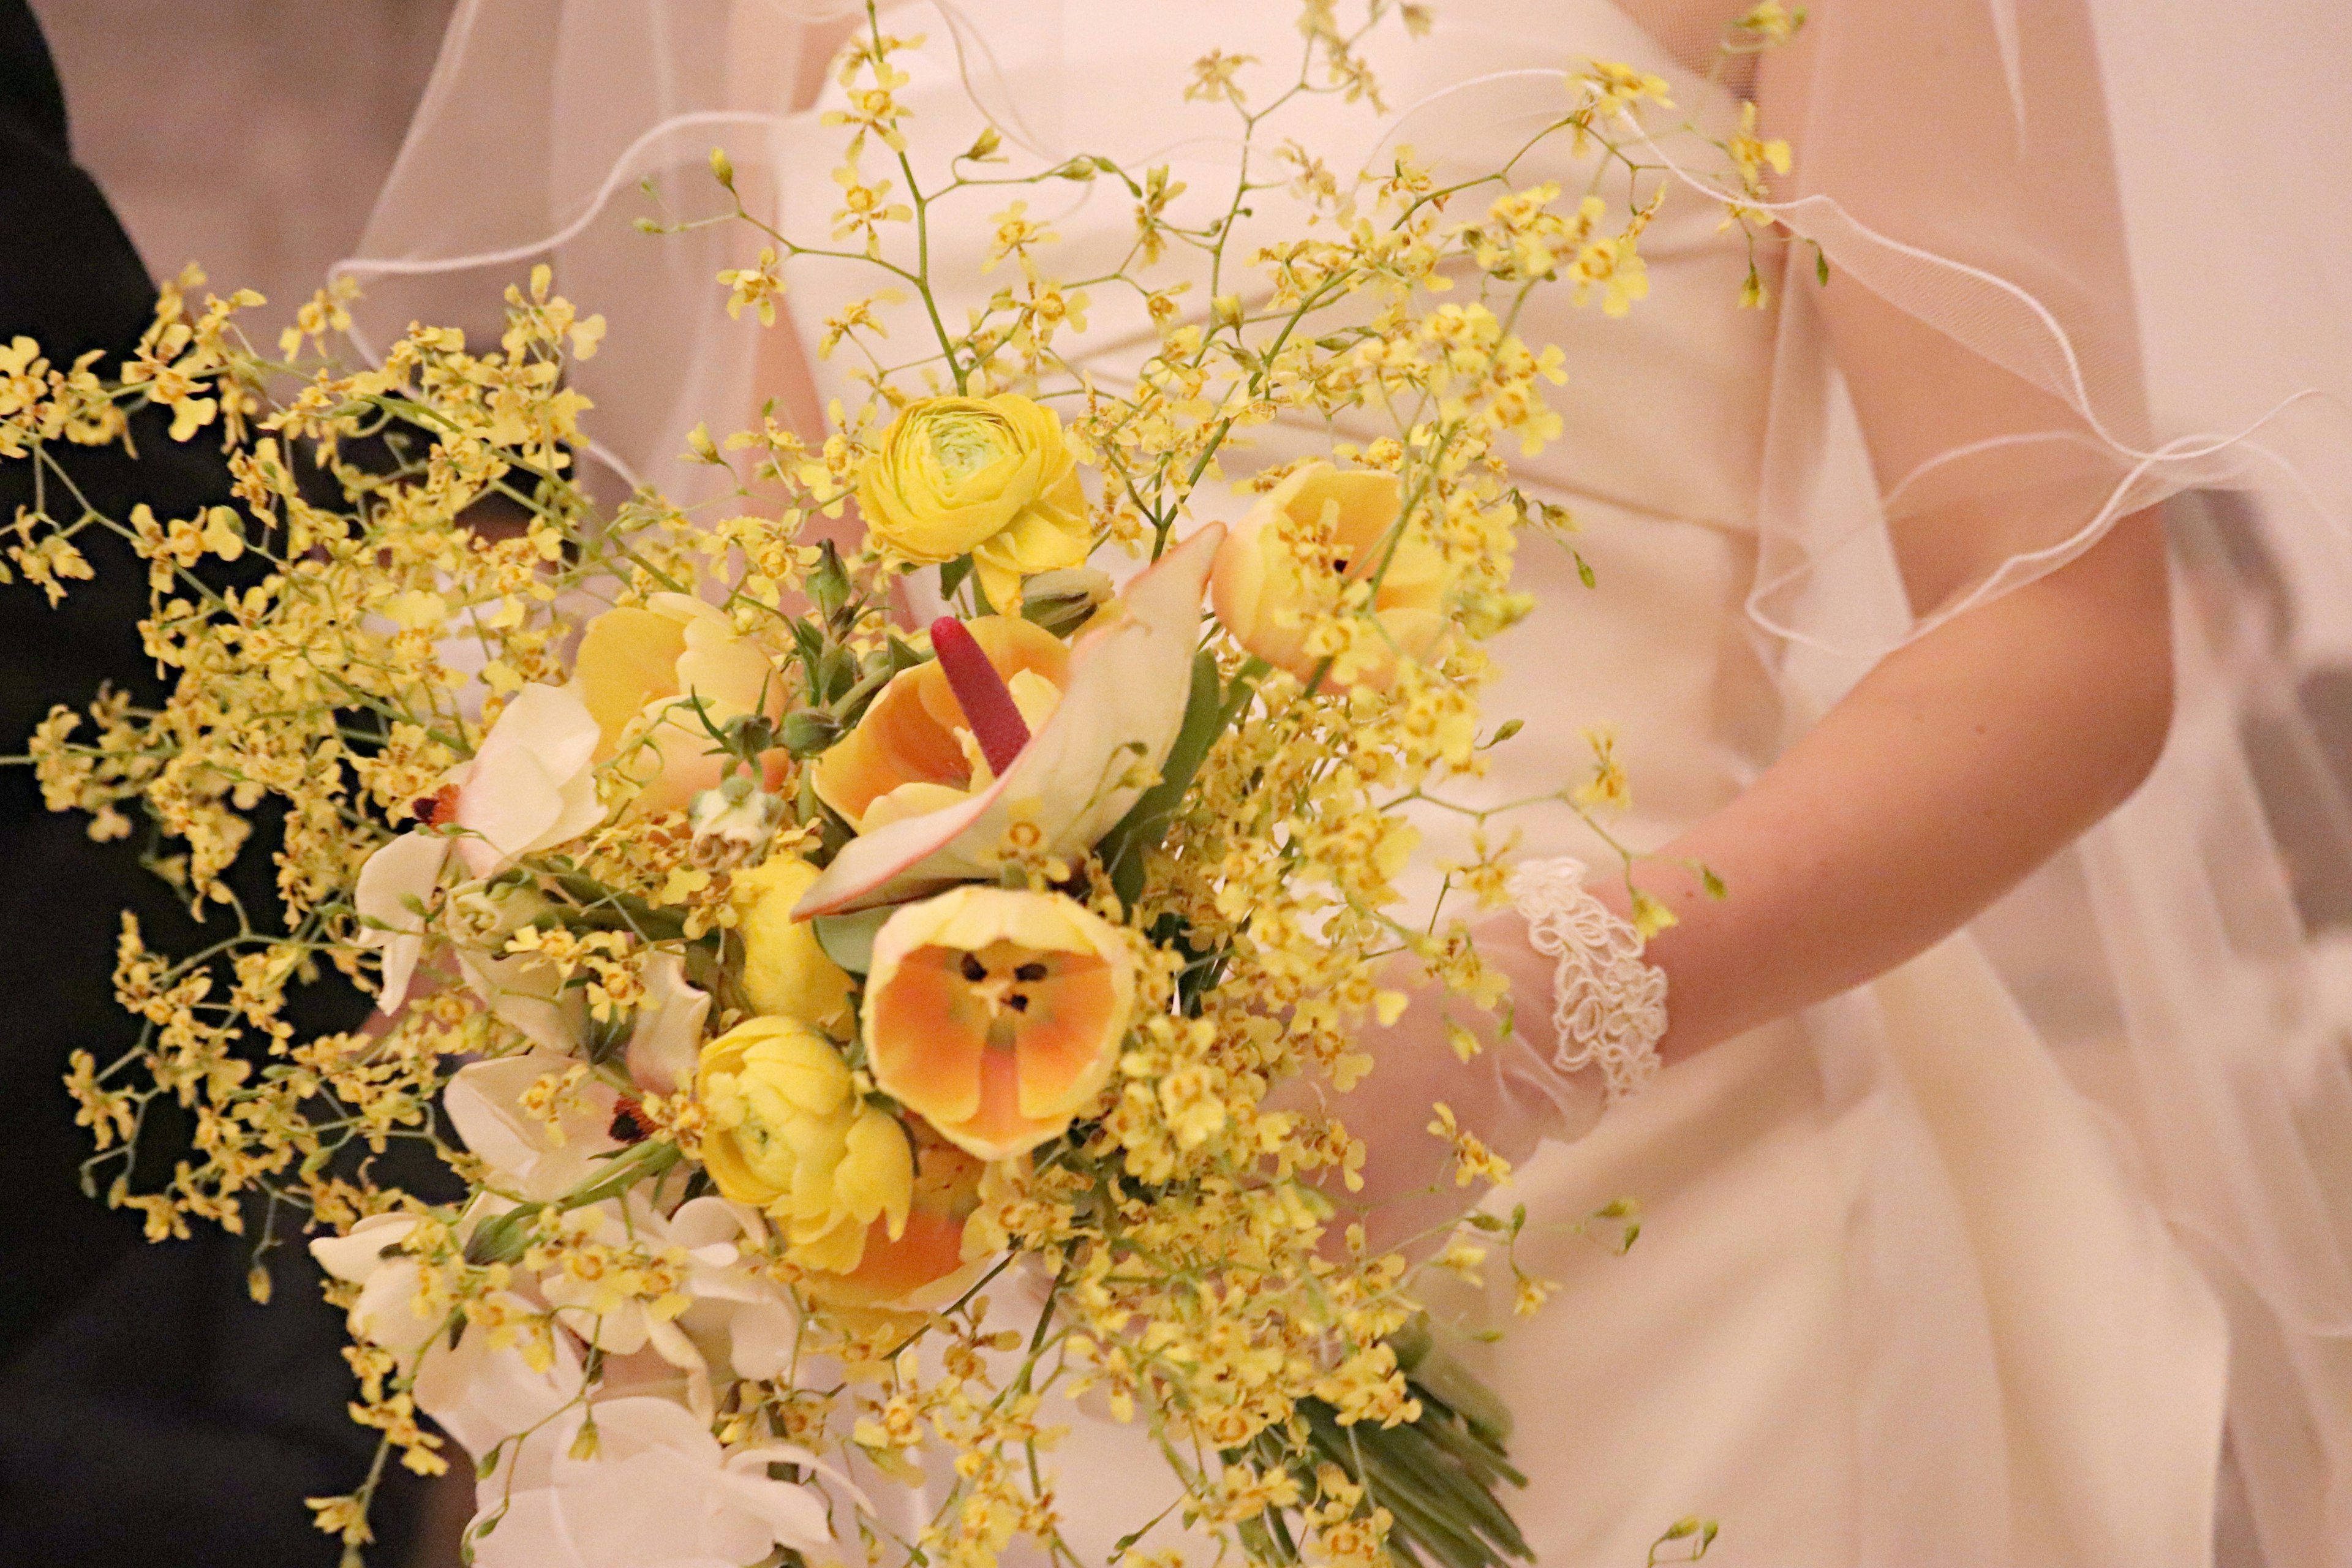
x=1508, y=1095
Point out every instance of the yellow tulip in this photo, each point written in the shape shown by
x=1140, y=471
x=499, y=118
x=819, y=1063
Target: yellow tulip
x=786, y=973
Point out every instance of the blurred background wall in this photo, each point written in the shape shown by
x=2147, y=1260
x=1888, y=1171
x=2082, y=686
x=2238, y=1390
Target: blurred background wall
x=249, y=136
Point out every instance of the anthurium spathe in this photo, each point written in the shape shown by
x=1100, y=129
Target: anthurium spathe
x=641, y=670
x=994, y=1013
x=532, y=785
x=915, y=752
x=1298, y=557
x=1078, y=772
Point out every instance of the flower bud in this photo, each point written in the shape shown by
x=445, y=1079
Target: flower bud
x=734, y=822
x=808, y=732
x=1063, y=600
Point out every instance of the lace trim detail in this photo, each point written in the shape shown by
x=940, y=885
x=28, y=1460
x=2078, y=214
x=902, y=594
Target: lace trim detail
x=1609, y=1007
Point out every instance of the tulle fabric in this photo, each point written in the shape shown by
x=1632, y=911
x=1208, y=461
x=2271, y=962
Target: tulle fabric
x=2112, y=207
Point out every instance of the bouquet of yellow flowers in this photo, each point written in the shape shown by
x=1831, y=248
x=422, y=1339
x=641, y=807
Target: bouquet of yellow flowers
x=844, y=1035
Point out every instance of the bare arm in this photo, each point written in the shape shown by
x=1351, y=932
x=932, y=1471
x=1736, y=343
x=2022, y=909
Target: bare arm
x=1958, y=765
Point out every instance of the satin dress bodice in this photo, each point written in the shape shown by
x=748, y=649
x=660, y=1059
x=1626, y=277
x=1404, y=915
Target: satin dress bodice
x=1852, y=1329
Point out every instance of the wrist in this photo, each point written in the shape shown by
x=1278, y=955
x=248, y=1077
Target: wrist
x=1607, y=1001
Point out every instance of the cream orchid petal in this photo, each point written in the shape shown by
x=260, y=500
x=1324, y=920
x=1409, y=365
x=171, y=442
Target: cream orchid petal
x=628, y=1428
x=766, y=1453
x=708, y=1222
x=516, y=794
x=666, y=1038
x=386, y=1312
x=763, y=1338
x=579, y=810
x=356, y=1256
x=483, y=1105
x=670, y=1343
x=1118, y=719
x=481, y=1394
x=404, y=871
x=794, y=1515
x=527, y=993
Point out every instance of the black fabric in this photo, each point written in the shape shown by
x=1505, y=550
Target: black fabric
x=150, y=1413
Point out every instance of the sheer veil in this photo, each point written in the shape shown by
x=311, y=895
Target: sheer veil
x=2115, y=205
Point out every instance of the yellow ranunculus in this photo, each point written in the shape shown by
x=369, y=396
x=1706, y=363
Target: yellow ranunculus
x=787, y=1132
x=987, y=476
x=995, y=1013
x=785, y=973
x=635, y=670
x=1270, y=595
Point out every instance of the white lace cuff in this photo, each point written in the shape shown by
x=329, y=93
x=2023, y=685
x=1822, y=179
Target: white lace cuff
x=1609, y=1006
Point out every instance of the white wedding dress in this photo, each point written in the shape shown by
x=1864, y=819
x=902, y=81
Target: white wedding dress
x=1905, y=1294
x=1893, y=1301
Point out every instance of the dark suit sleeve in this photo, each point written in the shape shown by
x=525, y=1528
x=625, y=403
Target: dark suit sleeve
x=149, y=1412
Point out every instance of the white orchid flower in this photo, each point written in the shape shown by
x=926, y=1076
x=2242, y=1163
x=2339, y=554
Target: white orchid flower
x=479, y=1392
x=531, y=787
x=666, y=1041
x=1076, y=777
x=387, y=1312
x=659, y=1492
x=484, y=1394
x=530, y=1159
x=732, y=1296
x=729, y=1312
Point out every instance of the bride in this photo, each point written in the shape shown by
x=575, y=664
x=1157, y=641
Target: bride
x=1987, y=1206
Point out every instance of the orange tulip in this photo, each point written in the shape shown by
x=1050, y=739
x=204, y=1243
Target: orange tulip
x=913, y=751
x=900, y=1270
x=995, y=1013
x=1294, y=558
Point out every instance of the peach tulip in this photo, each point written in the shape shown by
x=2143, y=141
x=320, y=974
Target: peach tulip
x=636, y=670
x=995, y=1013
x=1265, y=591
x=910, y=1269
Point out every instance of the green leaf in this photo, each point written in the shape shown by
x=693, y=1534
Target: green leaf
x=848, y=939
x=952, y=574
x=1206, y=710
